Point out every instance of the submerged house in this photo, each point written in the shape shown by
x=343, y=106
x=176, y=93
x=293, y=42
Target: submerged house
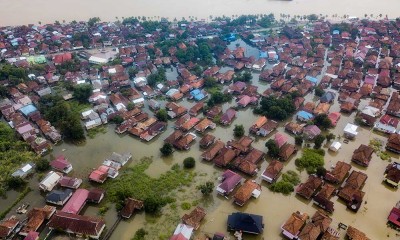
x=271, y=173
x=246, y=191
x=77, y=224
x=61, y=164
x=292, y=227
x=245, y=222
x=229, y=181
x=362, y=155
x=130, y=206
x=392, y=174
x=59, y=197
x=194, y=218
x=50, y=181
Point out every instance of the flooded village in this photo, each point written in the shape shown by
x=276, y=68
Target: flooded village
x=292, y=126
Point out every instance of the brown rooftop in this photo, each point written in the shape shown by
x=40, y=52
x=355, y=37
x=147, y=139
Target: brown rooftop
x=194, y=218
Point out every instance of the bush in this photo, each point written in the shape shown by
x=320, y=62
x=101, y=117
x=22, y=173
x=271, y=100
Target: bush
x=140, y=234
x=282, y=187
x=189, y=162
x=206, y=188
x=291, y=177
x=186, y=206
x=166, y=149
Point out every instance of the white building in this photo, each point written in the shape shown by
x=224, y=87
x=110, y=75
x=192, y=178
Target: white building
x=350, y=131
x=335, y=146
x=50, y=181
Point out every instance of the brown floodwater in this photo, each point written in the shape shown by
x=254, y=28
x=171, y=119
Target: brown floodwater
x=32, y=11
x=275, y=208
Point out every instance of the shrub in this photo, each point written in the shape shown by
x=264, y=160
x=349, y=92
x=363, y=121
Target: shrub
x=189, y=162
x=140, y=234
x=186, y=205
x=206, y=188
x=238, y=131
x=282, y=187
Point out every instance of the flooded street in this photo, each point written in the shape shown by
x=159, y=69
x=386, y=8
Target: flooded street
x=46, y=11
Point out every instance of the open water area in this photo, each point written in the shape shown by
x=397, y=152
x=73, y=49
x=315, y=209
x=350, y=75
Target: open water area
x=274, y=207
x=19, y=12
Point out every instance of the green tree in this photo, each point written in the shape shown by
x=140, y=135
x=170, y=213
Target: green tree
x=15, y=182
x=153, y=204
x=330, y=137
x=310, y=160
x=318, y=141
x=92, y=21
x=42, y=165
x=298, y=140
x=130, y=106
x=276, y=108
x=162, y=115
x=189, y=162
x=273, y=150
x=207, y=188
x=319, y=92
x=117, y=119
x=166, y=149
x=323, y=121
x=238, y=130
x=82, y=92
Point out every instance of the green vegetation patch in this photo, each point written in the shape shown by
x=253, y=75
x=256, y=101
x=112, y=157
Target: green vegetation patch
x=286, y=184
x=13, y=153
x=155, y=191
x=311, y=160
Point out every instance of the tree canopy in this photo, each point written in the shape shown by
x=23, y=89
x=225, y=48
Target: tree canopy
x=273, y=150
x=82, y=92
x=238, y=131
x=310, y=160
x=64, y=116
x=276, y=108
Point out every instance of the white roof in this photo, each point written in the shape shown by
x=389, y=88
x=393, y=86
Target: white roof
x=371, y=111
x=98, y=59
x=26, y=168
x=335, y=146
x=184, y=229
x=51, y=179
x=351, y=128
x=256, y=193
x=138, y=100
x=112, y=71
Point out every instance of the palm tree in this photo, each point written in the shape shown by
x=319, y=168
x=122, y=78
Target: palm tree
x=365, y=15
x=40, y=23
x=380, y=15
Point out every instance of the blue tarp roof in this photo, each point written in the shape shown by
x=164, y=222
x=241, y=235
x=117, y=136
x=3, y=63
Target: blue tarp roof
x=28, y=109
x=312, y=79
x=305, y=115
